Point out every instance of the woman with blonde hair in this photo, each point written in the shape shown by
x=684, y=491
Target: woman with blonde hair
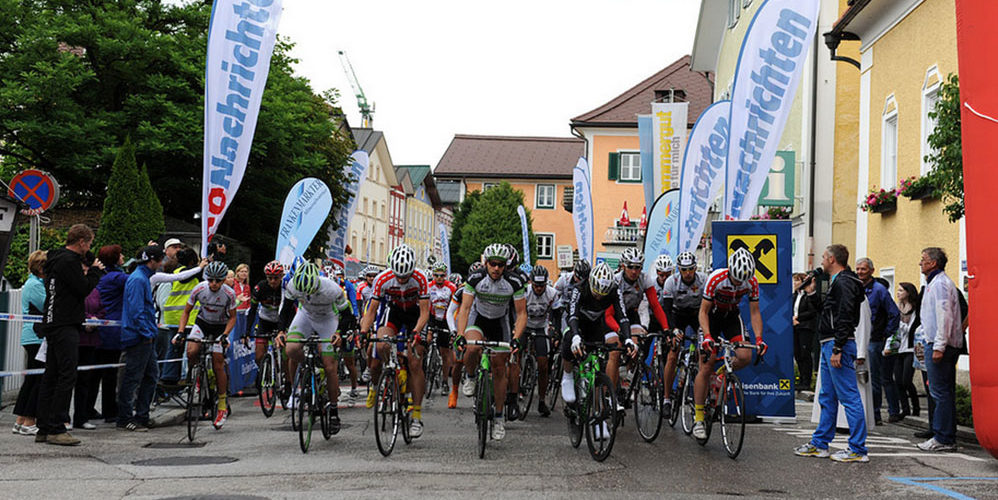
x=32, y=302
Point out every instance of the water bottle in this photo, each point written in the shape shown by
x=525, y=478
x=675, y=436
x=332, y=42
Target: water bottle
x=863, y=373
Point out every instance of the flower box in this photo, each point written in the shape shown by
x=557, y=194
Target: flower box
x=885, y=207
x=920, y=193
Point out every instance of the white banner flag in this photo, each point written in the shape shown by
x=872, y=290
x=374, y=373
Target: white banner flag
x=582, y=210
x=668, y=121
x=766, y=80
x=703, y=172
x=240, y=42
x=337, y=242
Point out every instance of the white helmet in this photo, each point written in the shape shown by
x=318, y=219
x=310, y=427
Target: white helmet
x=686, y=260
x=741, y=265
x=601, y=279
x=663, y=263
x=403, y=261
x=497, y=251
x=632, y=256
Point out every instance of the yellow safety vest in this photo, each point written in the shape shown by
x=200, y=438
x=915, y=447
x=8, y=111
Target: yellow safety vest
x=174, y=305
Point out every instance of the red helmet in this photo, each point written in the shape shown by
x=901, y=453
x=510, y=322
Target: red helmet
x=273, y=268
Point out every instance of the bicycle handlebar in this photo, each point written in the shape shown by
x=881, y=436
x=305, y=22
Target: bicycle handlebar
x=483, y=343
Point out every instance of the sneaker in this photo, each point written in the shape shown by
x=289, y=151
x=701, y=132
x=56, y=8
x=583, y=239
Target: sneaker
x=353, y=393
x=334, y=419
x=810, y=450
x=498, y=429
x=468, y=388
x=933, y=445
x=543, y=409
x=849, y=456
x=28, y=430
x=512, y=407
x=69, y=426
x=16, y=429
x=366, y=376
x=893, y=419
x=452, y=399
x=602, y=432
x=88, y=426
x=924, y=434
x=699, y=430
x=134, y=427
x=416, y=429
x=41, y=438
x=220, y=419
x=568, y=390
x=64, y=439
x=666, y=408
x=371, y=394
x=443, y=390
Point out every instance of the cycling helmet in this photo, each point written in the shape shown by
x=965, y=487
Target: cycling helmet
x=539, y=274
x=306, y=278
x=403, y=261
x=514, y=257
x=741, y=265
x=337, y=271
x=497, y=251
x=273, y=268
x=439, y=267
x=327, y=271
x=686, y=261
x=663, y=263
x=582, y=269
x=632, y=257
x=371, y=271
x=601, y=279
x=475, y=267
x=455, y=278
x=216, y=270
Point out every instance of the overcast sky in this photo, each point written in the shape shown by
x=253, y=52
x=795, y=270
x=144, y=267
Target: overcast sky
x=437, y=68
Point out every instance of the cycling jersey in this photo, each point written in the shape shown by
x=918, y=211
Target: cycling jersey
x=328, y=300
x=216, y=307
x=540, y=306
x=265, y=301
x=364, y=292
x=685, y=296
x=725, y=295
x=387, y=288
x=493, y=297
x=440, y=298
x=584, y=306
x=454, y=307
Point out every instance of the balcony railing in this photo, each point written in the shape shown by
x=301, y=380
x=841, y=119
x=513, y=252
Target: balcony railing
x=622, y=235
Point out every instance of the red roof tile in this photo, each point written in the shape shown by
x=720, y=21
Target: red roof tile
x=510, y=157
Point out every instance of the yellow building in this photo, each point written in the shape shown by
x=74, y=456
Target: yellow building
x=906, y=49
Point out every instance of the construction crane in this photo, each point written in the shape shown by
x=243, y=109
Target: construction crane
x=366, y=111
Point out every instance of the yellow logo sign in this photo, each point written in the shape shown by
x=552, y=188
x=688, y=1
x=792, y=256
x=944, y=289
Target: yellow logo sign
x=784, y=384
x=763, y=248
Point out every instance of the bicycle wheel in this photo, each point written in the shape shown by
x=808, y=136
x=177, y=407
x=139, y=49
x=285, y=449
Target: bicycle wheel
x=282, y=386
x=306, y=403
x=687, y=410
x=325, y=413
x=676, y=391
x=732, y=410
x=709, y=411
x=576, y=414
x=483, y=409
x=528, y=382
x=405, y=416
x=194, y=409
x=600, y=426
x=386, y=414
x=647, y=403
x=554, y=380
x=432, y=368
x=267, y=387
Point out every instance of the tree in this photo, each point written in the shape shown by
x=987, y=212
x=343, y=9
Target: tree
x=946, y=155
x=132, y=213
x=460, y=217
x=493, y=219
x=16, y=271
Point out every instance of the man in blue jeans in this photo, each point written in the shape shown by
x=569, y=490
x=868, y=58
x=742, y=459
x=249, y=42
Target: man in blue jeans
x=942, y=325
x=840, y=313
x=885, y=317
x=138, y=334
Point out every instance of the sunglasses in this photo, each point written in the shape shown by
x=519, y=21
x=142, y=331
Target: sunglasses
x=216, y=281
x=496, y=264
x=632, y=266
x=439, y=275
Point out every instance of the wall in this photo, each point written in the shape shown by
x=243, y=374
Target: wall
x=609, y=196
x=846, y=167
x=371, y=224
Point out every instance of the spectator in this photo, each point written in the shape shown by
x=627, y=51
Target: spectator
x=216, y=251
x=32, y=302
x=807, y=303
x=111, y=287
x=83, y=404
x=171, y=247
x=885, y=323
x=837, y=325
x=242, y=288
x=942, y=324
x=68, y=280
x=138, y=333
x=171, y=299
x=904, y=368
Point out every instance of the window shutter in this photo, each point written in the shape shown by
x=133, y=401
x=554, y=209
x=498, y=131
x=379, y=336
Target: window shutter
x=614, y=166
x=568, y=200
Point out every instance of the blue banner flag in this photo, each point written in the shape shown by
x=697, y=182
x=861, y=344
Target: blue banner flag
x=445, y=247
x=647, y=159
x=663, y=223
x=582, y=210
x=523, y=229
x=703, y=172
x=305, y=210
x=357, y=172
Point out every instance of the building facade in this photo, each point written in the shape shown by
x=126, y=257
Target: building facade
x=420, y=218
x=368, y=233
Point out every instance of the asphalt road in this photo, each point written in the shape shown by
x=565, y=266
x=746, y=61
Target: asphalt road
x=262, y=459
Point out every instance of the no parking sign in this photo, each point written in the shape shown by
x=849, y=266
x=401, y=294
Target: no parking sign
x=37, y=189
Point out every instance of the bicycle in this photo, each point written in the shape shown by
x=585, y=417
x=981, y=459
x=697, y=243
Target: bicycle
x=687, y=367
x=595, y=409
x=312, y=397
x=202, y=395
x=529, y=374
x=725, y=402
x=271, y=378
x=646, y=387
x=554, y=373
x=484, y=393
x=433, y=363
x=390, y=410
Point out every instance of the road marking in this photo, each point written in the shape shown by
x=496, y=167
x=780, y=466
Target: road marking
x=924, y=482
x=879, y=442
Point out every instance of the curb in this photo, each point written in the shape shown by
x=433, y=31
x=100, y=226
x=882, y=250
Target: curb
x=921, y=423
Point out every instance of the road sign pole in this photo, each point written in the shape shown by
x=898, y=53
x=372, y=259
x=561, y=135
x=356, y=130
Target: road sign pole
x=33, y=234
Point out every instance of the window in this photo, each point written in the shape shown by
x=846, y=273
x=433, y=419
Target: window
x=382, y=210
x=630, y=167
x=545, y=245
x=365, y=206
x=930, y=96
x=734, y=12
x=544, y=196
x=889, y=146
x=887, y=273
x=489, y=185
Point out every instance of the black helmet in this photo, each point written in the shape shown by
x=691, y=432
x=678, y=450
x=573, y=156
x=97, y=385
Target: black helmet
x=582, y=269
x=474, y=267
x=539, y=274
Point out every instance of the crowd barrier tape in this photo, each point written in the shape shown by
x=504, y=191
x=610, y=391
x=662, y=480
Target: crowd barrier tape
x=39, y=371
x=32, y=318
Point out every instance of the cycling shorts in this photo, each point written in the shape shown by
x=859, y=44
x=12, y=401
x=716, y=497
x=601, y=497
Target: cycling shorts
x=634, y=318
x=398, y=319
x=590, y=331
x=304, y=325
x=265, y=331
x=209, y=332
x=727, y=325
x=441, y=334
x=494, y=330
x=685, y=321
x=542, y=344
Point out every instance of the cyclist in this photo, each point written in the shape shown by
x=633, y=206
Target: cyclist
x=363, y=300
x=452, y=312
x=215, y=320
x=455, y=279
x=402, y=289
x=441, y=290
x=719, y=315
x=266, y=304
x=681, y=301
x=323, y=309
x=635, y=286
x=484, y=315
x=542, y=304
x=578, y=274
x=588, y=321
x=349, y=347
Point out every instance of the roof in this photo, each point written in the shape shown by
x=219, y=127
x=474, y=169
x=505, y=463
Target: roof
x=623, y=110
x=367, y=139
x=450, y=192
x=416, y=172
x=508, y=156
